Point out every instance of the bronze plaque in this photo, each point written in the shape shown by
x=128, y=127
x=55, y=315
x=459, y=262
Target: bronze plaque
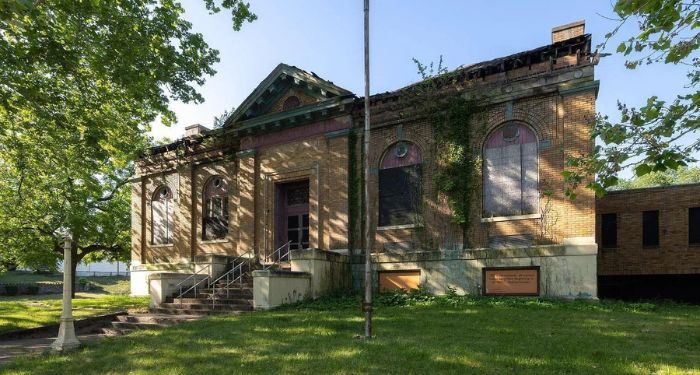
x=511, y=281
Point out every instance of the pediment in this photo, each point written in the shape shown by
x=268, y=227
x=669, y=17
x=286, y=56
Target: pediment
x=285, y=85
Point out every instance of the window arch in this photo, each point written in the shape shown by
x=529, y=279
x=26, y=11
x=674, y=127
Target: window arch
x=215, y=212
x=291, y=103
x=511, y=171
x=162, y=216
x=400, y=189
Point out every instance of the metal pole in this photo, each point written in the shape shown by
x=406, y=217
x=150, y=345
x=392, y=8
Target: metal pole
x=66, y=339
x=367, y=305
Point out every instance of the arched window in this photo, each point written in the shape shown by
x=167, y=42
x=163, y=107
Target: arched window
x=215, y=217
x=162, y=216
x=291, y=102
x=400, y=185
x=511, y=171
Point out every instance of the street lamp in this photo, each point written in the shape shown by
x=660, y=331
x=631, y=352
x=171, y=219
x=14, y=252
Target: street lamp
x=66, y=339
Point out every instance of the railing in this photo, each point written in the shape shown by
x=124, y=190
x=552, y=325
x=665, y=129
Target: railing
x=280, y=255
x=235, y=274
x=182, y=284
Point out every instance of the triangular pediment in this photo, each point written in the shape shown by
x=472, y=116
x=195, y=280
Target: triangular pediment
x=285, y=88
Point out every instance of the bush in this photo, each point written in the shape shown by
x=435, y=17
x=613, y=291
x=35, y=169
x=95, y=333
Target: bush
x=11, y=290
x=32, y=290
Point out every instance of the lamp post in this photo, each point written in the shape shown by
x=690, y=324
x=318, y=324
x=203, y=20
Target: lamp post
x=367, y=303
x=66, y=339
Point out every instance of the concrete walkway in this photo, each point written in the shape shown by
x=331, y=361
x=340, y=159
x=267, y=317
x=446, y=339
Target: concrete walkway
x=11, y=349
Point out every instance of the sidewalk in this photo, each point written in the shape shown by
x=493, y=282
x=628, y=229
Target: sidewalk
x=11, y=349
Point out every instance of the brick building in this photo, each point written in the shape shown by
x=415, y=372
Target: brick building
x=649, y=243
x=280, y=183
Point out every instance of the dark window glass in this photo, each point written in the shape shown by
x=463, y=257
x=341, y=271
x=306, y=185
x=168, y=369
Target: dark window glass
x=694, y=225
x=305, y=220
x=305, y=238
x=292, y=222
x=650, y=228
x=399, y=195
x=609, y=230
x=293, y=236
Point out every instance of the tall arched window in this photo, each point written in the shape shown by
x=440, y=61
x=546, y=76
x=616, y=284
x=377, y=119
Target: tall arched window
x=162, y=216
x=215, y=217
x=511, y=171
x=400, y=185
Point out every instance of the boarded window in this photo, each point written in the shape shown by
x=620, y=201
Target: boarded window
x=400, y=185
x=215, y=217
x=650, y=228
x=393, y=280
x=162, y=216
x=511, y=171
x=694, y=225
x=608, y=230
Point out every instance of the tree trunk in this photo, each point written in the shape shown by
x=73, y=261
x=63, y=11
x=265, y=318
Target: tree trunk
x=73, y=266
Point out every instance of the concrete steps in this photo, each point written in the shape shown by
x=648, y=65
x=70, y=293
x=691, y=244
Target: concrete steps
x=129, y=323
x=236, y=299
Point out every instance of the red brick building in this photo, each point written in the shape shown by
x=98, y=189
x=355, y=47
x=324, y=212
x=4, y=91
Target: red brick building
x=649, y=243
x=285, y=173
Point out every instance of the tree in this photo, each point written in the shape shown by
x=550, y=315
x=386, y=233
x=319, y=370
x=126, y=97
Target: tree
x=659, y=135
x=80, y=82
x=683, y=175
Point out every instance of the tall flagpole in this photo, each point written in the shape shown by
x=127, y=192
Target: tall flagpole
x=367, y=305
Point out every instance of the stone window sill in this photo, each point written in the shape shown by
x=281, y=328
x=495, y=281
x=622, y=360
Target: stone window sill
x=509, y=218
x=207, y=242
x=403, y=226
x=162, y=245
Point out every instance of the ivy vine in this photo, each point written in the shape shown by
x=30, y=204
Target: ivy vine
x=457, y=160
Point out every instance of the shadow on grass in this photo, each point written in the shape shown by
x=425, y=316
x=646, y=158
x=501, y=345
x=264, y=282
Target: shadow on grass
x=478, y=338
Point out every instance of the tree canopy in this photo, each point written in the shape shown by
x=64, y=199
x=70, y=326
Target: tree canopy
x=683, y=175
x=659, y=135
x=80, y=82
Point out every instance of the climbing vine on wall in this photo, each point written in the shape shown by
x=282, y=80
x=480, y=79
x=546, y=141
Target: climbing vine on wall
x=457, y=160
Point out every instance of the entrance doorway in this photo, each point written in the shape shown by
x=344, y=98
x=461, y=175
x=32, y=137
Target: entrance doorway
x=292, y=218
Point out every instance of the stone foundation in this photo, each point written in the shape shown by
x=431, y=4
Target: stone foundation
x=566, y=271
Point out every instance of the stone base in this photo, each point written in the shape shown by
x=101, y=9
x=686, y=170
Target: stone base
x=66, y=339
x=566, y=271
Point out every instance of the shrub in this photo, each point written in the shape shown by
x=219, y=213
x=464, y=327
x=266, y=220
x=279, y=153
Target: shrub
x=32, y=289
x=11, y=290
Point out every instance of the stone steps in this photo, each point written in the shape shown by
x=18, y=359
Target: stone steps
x=235, y=299
x=129, y=323
x=219, y=301
x=207, y=305
x=184, y=311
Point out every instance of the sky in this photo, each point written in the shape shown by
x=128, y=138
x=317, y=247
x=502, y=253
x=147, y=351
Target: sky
x=326, y=37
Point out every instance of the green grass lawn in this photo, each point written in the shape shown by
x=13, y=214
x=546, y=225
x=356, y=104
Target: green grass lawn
x=107, y=294
x=106, y=284
x=448, y=334
x=19, y=312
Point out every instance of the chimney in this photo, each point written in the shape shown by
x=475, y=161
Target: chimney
x=568, y=31
x=195, y=130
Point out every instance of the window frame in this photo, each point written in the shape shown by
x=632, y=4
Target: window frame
x=535, y=214
x=215, y=207
x=167, y=216
x=415, y=172
x=649, y=239
x=693, y=241
x=603, y=242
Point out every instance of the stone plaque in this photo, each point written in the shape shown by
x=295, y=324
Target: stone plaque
x=511, y=281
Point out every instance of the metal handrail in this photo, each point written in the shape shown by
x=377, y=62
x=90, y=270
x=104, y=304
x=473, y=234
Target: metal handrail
x=181, y=283
x=230, y=273
x=280, y=255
